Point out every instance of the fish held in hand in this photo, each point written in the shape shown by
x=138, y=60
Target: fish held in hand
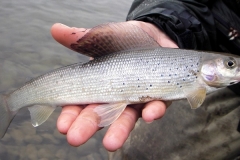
x=135, y=70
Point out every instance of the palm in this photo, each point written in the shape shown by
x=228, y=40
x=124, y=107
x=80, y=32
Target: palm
x=79, y=123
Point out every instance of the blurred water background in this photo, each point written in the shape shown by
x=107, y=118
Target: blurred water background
x=27, y=50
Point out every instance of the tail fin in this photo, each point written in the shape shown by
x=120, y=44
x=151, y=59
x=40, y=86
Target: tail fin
x=6, y=116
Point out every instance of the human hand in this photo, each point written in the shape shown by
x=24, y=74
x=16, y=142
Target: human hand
x=79, y=123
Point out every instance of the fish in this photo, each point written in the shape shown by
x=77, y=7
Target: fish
x=128, y=68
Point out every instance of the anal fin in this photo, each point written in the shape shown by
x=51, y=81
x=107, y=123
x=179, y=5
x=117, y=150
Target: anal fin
x=40, y=113
x=109, y=112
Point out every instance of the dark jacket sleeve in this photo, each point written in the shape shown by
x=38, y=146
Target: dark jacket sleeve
x=189, y=23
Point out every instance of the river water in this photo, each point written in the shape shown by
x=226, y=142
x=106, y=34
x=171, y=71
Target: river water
x=27, y=50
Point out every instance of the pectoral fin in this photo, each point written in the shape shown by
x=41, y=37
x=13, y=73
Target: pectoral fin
x=40, y=113
x=195, y=96
x=109, y=113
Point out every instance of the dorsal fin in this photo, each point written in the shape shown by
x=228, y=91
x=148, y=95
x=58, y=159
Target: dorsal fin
x=113, y=37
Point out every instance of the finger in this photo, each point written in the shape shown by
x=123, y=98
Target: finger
x=67, y=35
x=119, y=131
x=85, y=125
x=153, y=110
x=67, y=117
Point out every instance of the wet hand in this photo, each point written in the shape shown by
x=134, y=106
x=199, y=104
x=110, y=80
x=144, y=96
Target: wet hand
x=79, y=123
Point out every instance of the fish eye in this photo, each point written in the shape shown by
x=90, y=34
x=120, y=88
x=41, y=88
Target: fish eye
x=230, y=63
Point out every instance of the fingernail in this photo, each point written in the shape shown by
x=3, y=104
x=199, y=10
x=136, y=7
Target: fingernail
x=63, y=25
x=149, y=122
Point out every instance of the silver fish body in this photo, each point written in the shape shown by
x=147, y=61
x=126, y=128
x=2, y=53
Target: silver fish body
x=132, y=76
x=127, y=77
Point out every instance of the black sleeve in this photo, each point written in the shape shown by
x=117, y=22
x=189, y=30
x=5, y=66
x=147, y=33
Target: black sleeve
x=189, y=23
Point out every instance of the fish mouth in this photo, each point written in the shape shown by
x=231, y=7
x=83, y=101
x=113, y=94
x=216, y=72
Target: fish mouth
x=234, y=82
x=236, y=78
